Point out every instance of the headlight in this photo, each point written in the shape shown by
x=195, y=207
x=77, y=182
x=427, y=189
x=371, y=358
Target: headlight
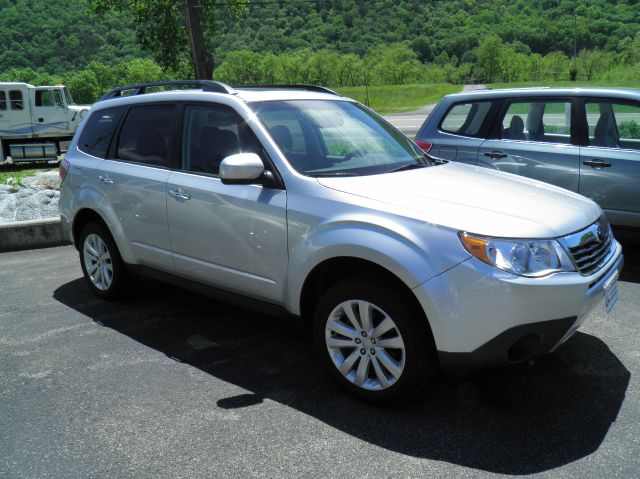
x=523, y=257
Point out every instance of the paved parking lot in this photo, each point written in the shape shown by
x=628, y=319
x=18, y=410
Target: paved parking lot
x=172, y=384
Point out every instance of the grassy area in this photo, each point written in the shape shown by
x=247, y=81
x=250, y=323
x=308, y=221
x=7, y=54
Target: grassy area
x=399, y=98
x=576, y=84
x=18, y=172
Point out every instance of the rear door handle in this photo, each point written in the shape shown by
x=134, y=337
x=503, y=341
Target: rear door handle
x=495, y=155
x=105, y=179
x=597, y=164
x=179, y=194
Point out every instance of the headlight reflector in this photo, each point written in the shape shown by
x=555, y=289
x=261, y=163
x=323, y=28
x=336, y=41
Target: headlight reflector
x=524, y=257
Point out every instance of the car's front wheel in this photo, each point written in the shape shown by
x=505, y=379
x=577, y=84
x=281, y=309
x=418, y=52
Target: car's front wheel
x=101, y=263
x=374, y=340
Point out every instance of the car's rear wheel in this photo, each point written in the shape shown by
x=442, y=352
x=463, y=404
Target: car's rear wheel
x=102, y=265
x=374, y=340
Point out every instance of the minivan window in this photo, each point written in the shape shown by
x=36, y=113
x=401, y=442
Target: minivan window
x=613, y=125
x=211, y=133
x=543, y=121
x=146, y=135
x=98, y=131
x=3, y=100
x=466, y=118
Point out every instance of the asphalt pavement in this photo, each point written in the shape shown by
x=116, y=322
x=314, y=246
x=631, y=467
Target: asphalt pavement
x=172, y=384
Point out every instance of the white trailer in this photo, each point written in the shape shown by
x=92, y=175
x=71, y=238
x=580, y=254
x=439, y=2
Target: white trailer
x=36, y=122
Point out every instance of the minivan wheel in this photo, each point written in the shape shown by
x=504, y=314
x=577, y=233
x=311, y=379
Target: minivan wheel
x=101, y=262
x=373, y=340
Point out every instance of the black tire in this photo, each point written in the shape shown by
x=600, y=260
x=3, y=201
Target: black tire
x=420, y=360
x=120, y=279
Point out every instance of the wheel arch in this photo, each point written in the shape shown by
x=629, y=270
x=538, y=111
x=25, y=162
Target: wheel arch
x=335, y=269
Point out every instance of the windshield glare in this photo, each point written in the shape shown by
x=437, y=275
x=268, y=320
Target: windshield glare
x=336, y=138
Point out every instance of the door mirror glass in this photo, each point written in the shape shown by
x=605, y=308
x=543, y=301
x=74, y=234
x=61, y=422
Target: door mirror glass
x=241, y=168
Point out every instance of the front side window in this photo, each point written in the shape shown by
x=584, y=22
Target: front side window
x=336, y=138
x=146, y=135
x=210, y=134
x=97, y=133
x=542, y=121
x=44, y=98
x=466, y=118
x=3, y=100
x=613, y=125
x=15, y=98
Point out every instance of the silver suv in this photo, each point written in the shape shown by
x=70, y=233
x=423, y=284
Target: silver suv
x=297, y=201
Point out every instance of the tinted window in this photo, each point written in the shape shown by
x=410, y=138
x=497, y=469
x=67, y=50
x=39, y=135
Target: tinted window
x=544, y=121
x=466, y=118
x=146, y=135
x=3, y=100
x=97, y=133
x=614, y=125
x=15, y=98
x=211, y=133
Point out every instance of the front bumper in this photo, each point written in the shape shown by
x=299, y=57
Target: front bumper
x=481, y=316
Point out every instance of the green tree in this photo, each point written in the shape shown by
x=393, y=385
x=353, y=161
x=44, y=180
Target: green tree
x=488, y=57
x=84, y=86
x=167, y=28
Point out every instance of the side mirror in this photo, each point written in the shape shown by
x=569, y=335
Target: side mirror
x=242, y=168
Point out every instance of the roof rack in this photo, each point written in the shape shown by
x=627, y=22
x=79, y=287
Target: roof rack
x=301, y=86
x=141, y=88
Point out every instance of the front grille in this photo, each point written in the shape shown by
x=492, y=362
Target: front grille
x=591, y=248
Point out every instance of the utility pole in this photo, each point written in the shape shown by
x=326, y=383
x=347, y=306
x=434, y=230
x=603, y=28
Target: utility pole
x=574, y=67
x=201, y=58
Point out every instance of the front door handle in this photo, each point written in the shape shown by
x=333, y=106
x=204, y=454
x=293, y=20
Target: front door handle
x=495, y=155
x=179, y=195
x=597, y=164
x=105, y=179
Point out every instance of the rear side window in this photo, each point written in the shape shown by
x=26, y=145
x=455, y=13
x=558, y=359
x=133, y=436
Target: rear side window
x=542, y=121
x=97, y=133
x=146, y=135
x=466, y=119
x=614, y=125
x=15, y=98
x=3, y=100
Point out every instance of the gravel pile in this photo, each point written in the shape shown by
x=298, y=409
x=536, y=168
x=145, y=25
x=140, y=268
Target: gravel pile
x=36, y=198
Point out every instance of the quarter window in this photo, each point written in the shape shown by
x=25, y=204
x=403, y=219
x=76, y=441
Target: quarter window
x=211, y=133
x=613, y=125
x=146, y=135
x=543, y=121
x=466, y=118
x=3, y=100
x=15, y=98
x=97, y=133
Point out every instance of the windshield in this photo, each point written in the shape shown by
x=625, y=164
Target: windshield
x=67, y=94
x=337, y=138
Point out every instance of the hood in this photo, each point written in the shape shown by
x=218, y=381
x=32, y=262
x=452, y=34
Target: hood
x=79, y=107
x=476, y=200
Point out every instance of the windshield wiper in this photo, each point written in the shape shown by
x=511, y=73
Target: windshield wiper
x=410, y=166
x=334, y=173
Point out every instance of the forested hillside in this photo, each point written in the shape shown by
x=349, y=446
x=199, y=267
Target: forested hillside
x=334, y=42
x=431, y=27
